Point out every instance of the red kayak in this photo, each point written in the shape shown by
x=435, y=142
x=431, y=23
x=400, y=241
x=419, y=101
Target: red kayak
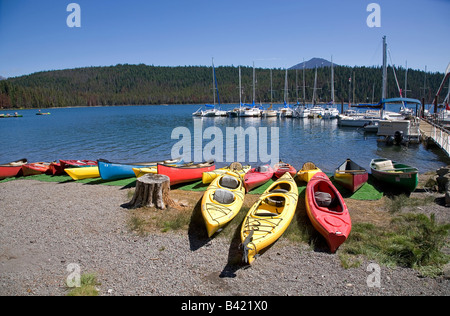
x=282, y=167
x=35, y=168
x=327, y=210
x=257, y=176
x=12, y=169
x=56, y=169
x=185, y=173
x=77, y=163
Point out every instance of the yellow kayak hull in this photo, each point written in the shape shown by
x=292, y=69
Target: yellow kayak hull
x=208, y=177
x=217, y=214
x=269, y=217
x=83, y=173
x=139, y=172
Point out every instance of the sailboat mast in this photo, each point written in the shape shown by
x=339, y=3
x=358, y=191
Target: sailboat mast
x=240, y=88
x=286, y=87
x=304, y=84
x=254, y=84
x=332, y=81
x=271, y=88
x=315, y=87
x=214, y=83
x=406, y=77
x=384, y=86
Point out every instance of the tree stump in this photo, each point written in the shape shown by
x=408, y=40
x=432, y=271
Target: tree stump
x=152, y=190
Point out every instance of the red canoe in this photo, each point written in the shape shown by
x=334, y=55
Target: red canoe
x=12, y=169
x=55, y=168
x=282, y=167
x=35, y=168
x=257, y=176
x=327, y=210
x=351, y=176
x=185, y=173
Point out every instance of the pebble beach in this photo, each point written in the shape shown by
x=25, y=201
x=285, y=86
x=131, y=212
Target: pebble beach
x=45, y=227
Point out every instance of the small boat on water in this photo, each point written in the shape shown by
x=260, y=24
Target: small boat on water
x=83, y=173
x=115, y=171
x=281, y=168
x=351, y=175
x=42, y=113
x=309, y=169
x=12, y=169
x=257, y=177
x=394, y=175
x=327, y=210
x=182, y=174
x=269, y=217
x=35, y=168
x=10, y=115
x=222, y=201
x=235, y=167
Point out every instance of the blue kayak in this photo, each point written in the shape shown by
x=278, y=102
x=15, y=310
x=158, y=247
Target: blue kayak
x=115, y=171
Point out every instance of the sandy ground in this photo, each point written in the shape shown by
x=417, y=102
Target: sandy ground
x=44, y=227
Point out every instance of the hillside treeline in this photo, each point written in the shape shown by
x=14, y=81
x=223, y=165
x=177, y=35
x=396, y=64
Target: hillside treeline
x=142, y=84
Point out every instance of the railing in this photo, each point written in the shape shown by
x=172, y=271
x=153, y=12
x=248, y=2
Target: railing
x=439, y=134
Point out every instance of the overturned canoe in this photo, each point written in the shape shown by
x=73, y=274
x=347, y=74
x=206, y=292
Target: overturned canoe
x=269, y=217
x=83, y=173
x=327, y=210
x=222, y=201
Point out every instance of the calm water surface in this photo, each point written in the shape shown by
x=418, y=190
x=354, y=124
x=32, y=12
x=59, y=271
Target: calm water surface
x=143, y=133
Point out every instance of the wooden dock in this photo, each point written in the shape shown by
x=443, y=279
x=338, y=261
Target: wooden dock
x=435, y=133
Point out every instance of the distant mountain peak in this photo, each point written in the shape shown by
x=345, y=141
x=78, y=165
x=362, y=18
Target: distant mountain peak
x=313, y=63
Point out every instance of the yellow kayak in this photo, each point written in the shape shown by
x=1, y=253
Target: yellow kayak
x=269, y=217
x=222, y=201
x=308, y=170
x=139, y=172
x=83, y=173
x=208, y=177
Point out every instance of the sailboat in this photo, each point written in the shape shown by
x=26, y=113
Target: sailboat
x=301, y=111
x=286, y=111
x=315, y=111
x=270, y=112
x=253, y=111
x=211, y=110
x=331, y=112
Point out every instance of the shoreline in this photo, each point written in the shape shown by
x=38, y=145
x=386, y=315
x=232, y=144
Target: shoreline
x=47, y=226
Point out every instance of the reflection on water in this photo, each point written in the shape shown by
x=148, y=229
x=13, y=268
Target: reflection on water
x=139, y=133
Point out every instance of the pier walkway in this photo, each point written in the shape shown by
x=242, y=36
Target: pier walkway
x=437, y=134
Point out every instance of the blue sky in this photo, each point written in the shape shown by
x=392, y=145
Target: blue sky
x=34, y=35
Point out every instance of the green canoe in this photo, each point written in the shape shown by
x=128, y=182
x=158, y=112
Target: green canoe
x=394, y=175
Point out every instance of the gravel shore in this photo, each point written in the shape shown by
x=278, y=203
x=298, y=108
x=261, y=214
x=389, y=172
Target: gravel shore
x=44, y=227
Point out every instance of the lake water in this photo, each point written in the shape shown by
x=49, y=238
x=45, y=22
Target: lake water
x=143, y=133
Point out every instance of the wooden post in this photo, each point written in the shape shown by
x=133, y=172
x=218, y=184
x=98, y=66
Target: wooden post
x=152, y=190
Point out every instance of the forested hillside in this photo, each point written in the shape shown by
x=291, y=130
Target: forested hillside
x=142, y=84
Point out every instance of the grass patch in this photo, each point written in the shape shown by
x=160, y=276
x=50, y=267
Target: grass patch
x=88, y=286
x=397, y=203
x=411, y=240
